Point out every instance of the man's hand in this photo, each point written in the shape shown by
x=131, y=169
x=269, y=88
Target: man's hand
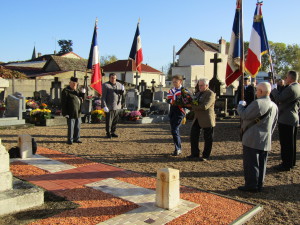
x=83, y=90
x=106, y=109
x=67, y=116
x=243, y=103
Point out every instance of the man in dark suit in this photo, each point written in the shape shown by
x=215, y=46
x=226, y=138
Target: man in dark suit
x=113, y=100
x=288, y=103
x=71, y=101
x=258, y=123
x=249, y=92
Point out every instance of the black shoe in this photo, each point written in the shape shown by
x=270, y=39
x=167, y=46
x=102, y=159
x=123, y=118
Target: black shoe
x=108, y=136
x=79, y=142
x=243, y=188
x=281, y=168
x=114, y=135
x=176, y=153
x=192, y=157
x=69, y=142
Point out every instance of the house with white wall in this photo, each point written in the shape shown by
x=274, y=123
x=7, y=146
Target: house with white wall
x=194, y=61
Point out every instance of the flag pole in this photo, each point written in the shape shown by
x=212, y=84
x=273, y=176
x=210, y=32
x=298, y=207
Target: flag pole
x=128, y=57
x=242, y=68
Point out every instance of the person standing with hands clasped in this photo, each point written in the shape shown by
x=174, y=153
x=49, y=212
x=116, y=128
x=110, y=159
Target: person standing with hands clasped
x=113, y=101
x=71, y=100
x=204, y=119
x=258, y=123
x=288, y=100
x=177, y=113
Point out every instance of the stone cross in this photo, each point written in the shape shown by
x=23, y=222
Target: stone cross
x=137, y=76
x=215, y=61
x=153, y=83
x=215, y=83
x=55, y=90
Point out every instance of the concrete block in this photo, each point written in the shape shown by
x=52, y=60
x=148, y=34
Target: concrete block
x=4, y=159
x=5, y=181
x=25, y=145
x=23, y=196
x=167, y=188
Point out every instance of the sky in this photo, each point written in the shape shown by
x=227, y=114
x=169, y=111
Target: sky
x=164, y=24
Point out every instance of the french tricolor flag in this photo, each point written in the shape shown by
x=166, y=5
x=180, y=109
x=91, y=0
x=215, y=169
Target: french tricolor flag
x=94, y=63
x=258, y=44
x=233, y=70
x=136, y=52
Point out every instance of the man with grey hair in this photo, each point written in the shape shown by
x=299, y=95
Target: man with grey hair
x=204, y=120
x=288, y=103
x=258, y=123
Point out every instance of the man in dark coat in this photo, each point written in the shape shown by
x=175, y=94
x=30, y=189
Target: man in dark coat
x=288, y=104
x=71, y=101
x=249, y=92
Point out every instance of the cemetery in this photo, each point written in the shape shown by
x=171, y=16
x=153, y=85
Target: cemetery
x=99, y=140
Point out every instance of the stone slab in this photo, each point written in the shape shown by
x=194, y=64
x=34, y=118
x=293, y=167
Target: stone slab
x=22, y=197
x=47, y=164
x=57, y=121
x=145, y=198
x=4, y=159
x=11, y=121
x=5, y=181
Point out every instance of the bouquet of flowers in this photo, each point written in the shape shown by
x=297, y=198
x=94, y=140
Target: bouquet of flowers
x=40, y=115
x=43, y=106
x=182, y=99
x=31, y=104
x=97, y=115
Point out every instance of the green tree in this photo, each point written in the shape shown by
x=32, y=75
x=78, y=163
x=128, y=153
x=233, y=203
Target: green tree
x=107, y=59
x=65, y=46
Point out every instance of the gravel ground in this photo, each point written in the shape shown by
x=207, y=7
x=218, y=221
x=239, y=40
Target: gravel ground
x=145, y=148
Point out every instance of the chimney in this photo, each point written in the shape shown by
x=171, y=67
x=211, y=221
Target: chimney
x=39, y=54
x=222, y=46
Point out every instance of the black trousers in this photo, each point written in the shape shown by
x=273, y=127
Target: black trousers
x=111, y=120
x=73, y=129
x=288, y=139
x=254, y=162
x=194, y=139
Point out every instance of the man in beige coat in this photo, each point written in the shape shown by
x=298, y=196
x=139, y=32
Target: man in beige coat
x=204, y=119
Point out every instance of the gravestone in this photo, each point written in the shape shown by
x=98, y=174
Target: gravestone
x=146, y=98
x=142, y=86
x=153, y=85
x=55, y=91
x=133, y=100
x=215, y=84
x=16, y=195
x=25, y=145
x=167, y=188
x=230, y=90
x=221, y=107
x=137, y=76
x=162, y=108
x=86, y=109
x=13, y=107
x=159, y=96
x=23, y=100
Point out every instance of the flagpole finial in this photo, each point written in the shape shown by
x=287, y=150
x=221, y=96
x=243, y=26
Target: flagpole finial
x=96, y=21
x=139, y=20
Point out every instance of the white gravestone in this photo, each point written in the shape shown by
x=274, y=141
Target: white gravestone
x=5, y=174
x=25, y=145
x=167, y=188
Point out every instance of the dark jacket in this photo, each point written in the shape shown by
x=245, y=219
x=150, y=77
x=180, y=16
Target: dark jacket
x=249, y=94
x=71, y=101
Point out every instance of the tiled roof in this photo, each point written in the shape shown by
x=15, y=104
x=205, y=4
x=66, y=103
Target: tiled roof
x=127, y=65
x=203, y=45
x=67, y=64
x=48, y=56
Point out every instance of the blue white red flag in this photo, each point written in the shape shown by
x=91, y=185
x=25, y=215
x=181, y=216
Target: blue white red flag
x=94, y=64
x=136, y=52
x=258, y=44
x=233, y=70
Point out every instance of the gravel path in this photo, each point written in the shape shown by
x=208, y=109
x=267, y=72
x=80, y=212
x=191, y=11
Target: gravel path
x=145, y=148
